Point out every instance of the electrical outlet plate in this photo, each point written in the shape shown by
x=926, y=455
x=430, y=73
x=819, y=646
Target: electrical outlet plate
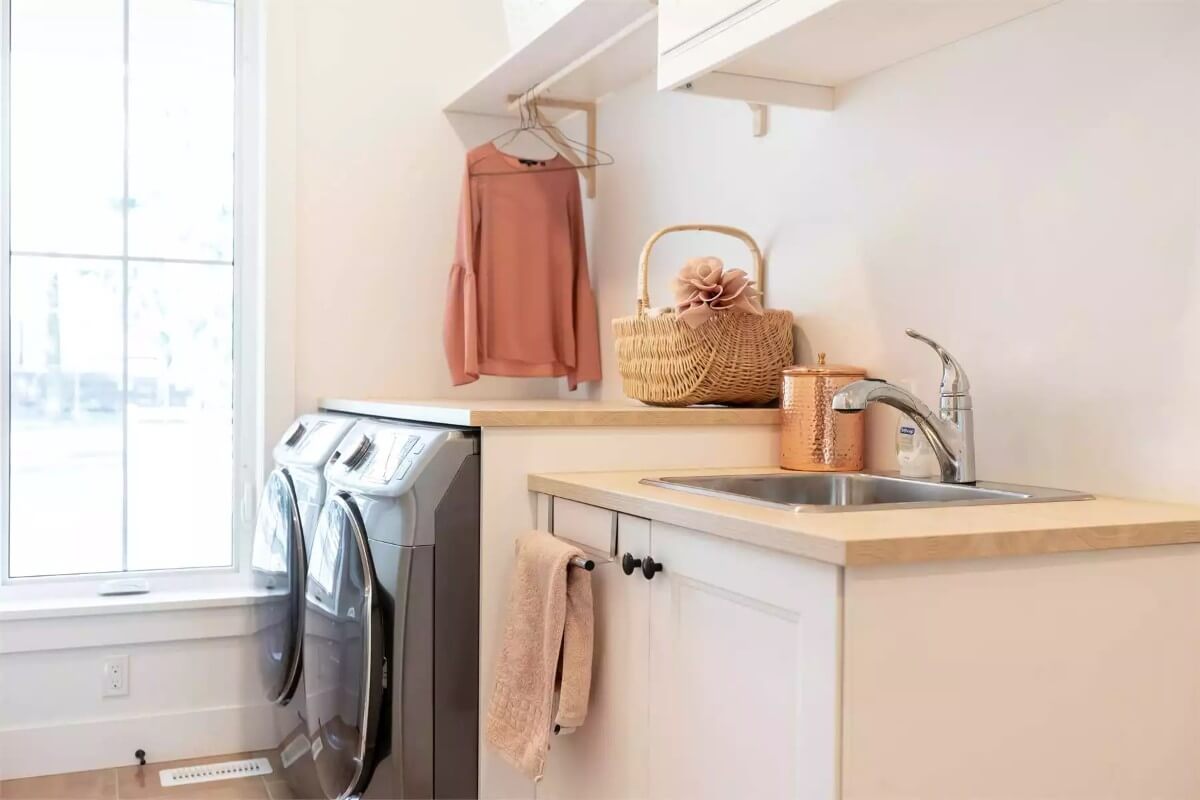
x=116, y=677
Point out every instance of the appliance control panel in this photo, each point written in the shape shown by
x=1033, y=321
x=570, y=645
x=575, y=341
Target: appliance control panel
x=310, y=441
x=384, y=458
x=391, y=457
x=319, y=437
x=296, y=435
x=380, y=455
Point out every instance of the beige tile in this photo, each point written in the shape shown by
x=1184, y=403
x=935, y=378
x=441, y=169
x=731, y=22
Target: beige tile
x=239, y=789
x=142, y=783
x=279, y=790
x=95, y=785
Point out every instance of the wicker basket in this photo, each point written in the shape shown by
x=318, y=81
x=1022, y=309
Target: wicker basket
x=735, y=358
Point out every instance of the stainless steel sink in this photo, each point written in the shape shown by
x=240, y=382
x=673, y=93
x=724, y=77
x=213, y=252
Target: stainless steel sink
x=858, y=491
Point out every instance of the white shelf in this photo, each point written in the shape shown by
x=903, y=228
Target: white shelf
x=798, y=53
x=596, y=48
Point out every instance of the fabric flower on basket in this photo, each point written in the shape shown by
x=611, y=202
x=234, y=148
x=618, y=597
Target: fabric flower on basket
x=704, y=288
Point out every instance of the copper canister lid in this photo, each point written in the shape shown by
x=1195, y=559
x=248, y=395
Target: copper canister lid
x=821, y=368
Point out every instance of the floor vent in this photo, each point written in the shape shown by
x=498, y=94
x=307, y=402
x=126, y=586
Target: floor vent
x=220, y=771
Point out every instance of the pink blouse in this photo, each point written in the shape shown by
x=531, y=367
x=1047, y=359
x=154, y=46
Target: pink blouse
x=519, y=302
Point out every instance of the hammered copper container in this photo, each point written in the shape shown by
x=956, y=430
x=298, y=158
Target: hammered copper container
x=815, y=438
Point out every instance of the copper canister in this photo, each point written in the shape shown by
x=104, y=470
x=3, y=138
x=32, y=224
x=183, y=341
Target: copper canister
x=815, y=438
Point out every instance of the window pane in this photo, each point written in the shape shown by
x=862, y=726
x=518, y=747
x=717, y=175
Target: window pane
x=180, y=407
x=181, y=129
x=67, y=126
x=66, y=417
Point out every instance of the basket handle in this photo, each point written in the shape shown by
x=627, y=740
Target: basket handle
x=643, y=299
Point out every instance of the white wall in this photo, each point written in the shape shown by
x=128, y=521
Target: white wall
x=1029, y=196
x=379, y=168
x=193, y=687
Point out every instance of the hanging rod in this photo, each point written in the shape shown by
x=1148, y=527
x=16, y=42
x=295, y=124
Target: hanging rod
x=583, y=563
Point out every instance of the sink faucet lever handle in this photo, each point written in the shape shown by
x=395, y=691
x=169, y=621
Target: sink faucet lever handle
x=954, y=378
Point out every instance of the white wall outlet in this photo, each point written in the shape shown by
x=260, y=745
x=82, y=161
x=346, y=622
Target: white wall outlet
x=116, y=677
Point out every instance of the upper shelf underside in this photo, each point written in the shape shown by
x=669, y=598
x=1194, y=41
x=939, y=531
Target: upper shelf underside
x=784, y=52
x=597, y=47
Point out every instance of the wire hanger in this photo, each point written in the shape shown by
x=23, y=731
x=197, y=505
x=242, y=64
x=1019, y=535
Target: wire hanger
x=578, y=155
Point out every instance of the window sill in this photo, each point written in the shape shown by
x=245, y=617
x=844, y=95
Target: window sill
x=12, y=610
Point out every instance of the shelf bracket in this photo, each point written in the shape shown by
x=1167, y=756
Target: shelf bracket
x=762, y=119
x=563, y=146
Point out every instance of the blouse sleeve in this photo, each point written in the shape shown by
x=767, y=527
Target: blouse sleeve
x=587, y=334
x=460, y=332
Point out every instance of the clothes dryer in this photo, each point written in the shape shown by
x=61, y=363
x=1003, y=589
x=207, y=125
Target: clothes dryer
x=291, y=502
x=391, y=629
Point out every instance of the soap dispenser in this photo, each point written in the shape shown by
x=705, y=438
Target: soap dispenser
x=913, y=451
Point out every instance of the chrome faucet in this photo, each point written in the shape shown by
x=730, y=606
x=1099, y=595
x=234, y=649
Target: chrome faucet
x=951, y=432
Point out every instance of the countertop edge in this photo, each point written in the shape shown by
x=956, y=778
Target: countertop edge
x=441, y=415
x=900, y=550
x=713, y=523
x=1015, y=544
x=486, y=415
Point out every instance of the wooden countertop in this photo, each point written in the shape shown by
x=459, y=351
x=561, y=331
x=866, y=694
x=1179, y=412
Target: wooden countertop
x=550, y=413
x=861, y=538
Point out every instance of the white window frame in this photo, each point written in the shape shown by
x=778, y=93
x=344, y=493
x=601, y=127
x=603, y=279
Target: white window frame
x=247, y=332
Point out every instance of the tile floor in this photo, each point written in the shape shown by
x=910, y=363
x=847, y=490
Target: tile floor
x=142, y=783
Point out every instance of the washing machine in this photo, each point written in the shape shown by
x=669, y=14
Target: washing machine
x=391, y=630
x=287, y=515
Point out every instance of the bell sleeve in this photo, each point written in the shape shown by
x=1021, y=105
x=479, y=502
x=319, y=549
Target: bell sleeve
x=586, y=324
x=460, y=334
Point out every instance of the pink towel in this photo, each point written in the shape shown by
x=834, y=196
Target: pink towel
x=548, y=622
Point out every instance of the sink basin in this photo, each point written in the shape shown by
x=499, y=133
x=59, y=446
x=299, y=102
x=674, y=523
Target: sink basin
x=858, y=491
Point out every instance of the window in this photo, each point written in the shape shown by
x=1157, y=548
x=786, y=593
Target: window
x=118, y=280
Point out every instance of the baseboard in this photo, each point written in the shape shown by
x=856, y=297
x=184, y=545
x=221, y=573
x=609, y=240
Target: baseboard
x=104, y=743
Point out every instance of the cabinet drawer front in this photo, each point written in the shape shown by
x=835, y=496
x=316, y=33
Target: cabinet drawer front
x=588, y=526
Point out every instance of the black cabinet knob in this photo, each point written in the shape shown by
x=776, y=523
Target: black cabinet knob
x=650, y=567
x=629, y=563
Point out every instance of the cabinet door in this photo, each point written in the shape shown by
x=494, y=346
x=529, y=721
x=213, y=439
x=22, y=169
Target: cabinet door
x=681, y=20
x=606, y=757
x=744, y=671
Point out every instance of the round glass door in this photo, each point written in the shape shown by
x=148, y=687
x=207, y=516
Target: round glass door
x=278, y=564
x=343, y=650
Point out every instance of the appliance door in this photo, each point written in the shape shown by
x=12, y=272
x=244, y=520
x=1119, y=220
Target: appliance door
x=277, y=561
x=344, y=650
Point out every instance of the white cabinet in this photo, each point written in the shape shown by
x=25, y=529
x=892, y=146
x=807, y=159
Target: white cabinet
x=783, y=50
x=717, y=677
x=743, y=671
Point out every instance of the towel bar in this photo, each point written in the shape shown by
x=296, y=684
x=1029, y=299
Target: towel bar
x=583, y=563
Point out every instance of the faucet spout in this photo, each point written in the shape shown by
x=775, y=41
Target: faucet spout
x=950, y=433
x=857, y=396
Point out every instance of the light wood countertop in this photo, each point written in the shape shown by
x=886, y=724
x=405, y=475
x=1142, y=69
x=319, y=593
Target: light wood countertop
x=861, y=538
x=550, y=413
